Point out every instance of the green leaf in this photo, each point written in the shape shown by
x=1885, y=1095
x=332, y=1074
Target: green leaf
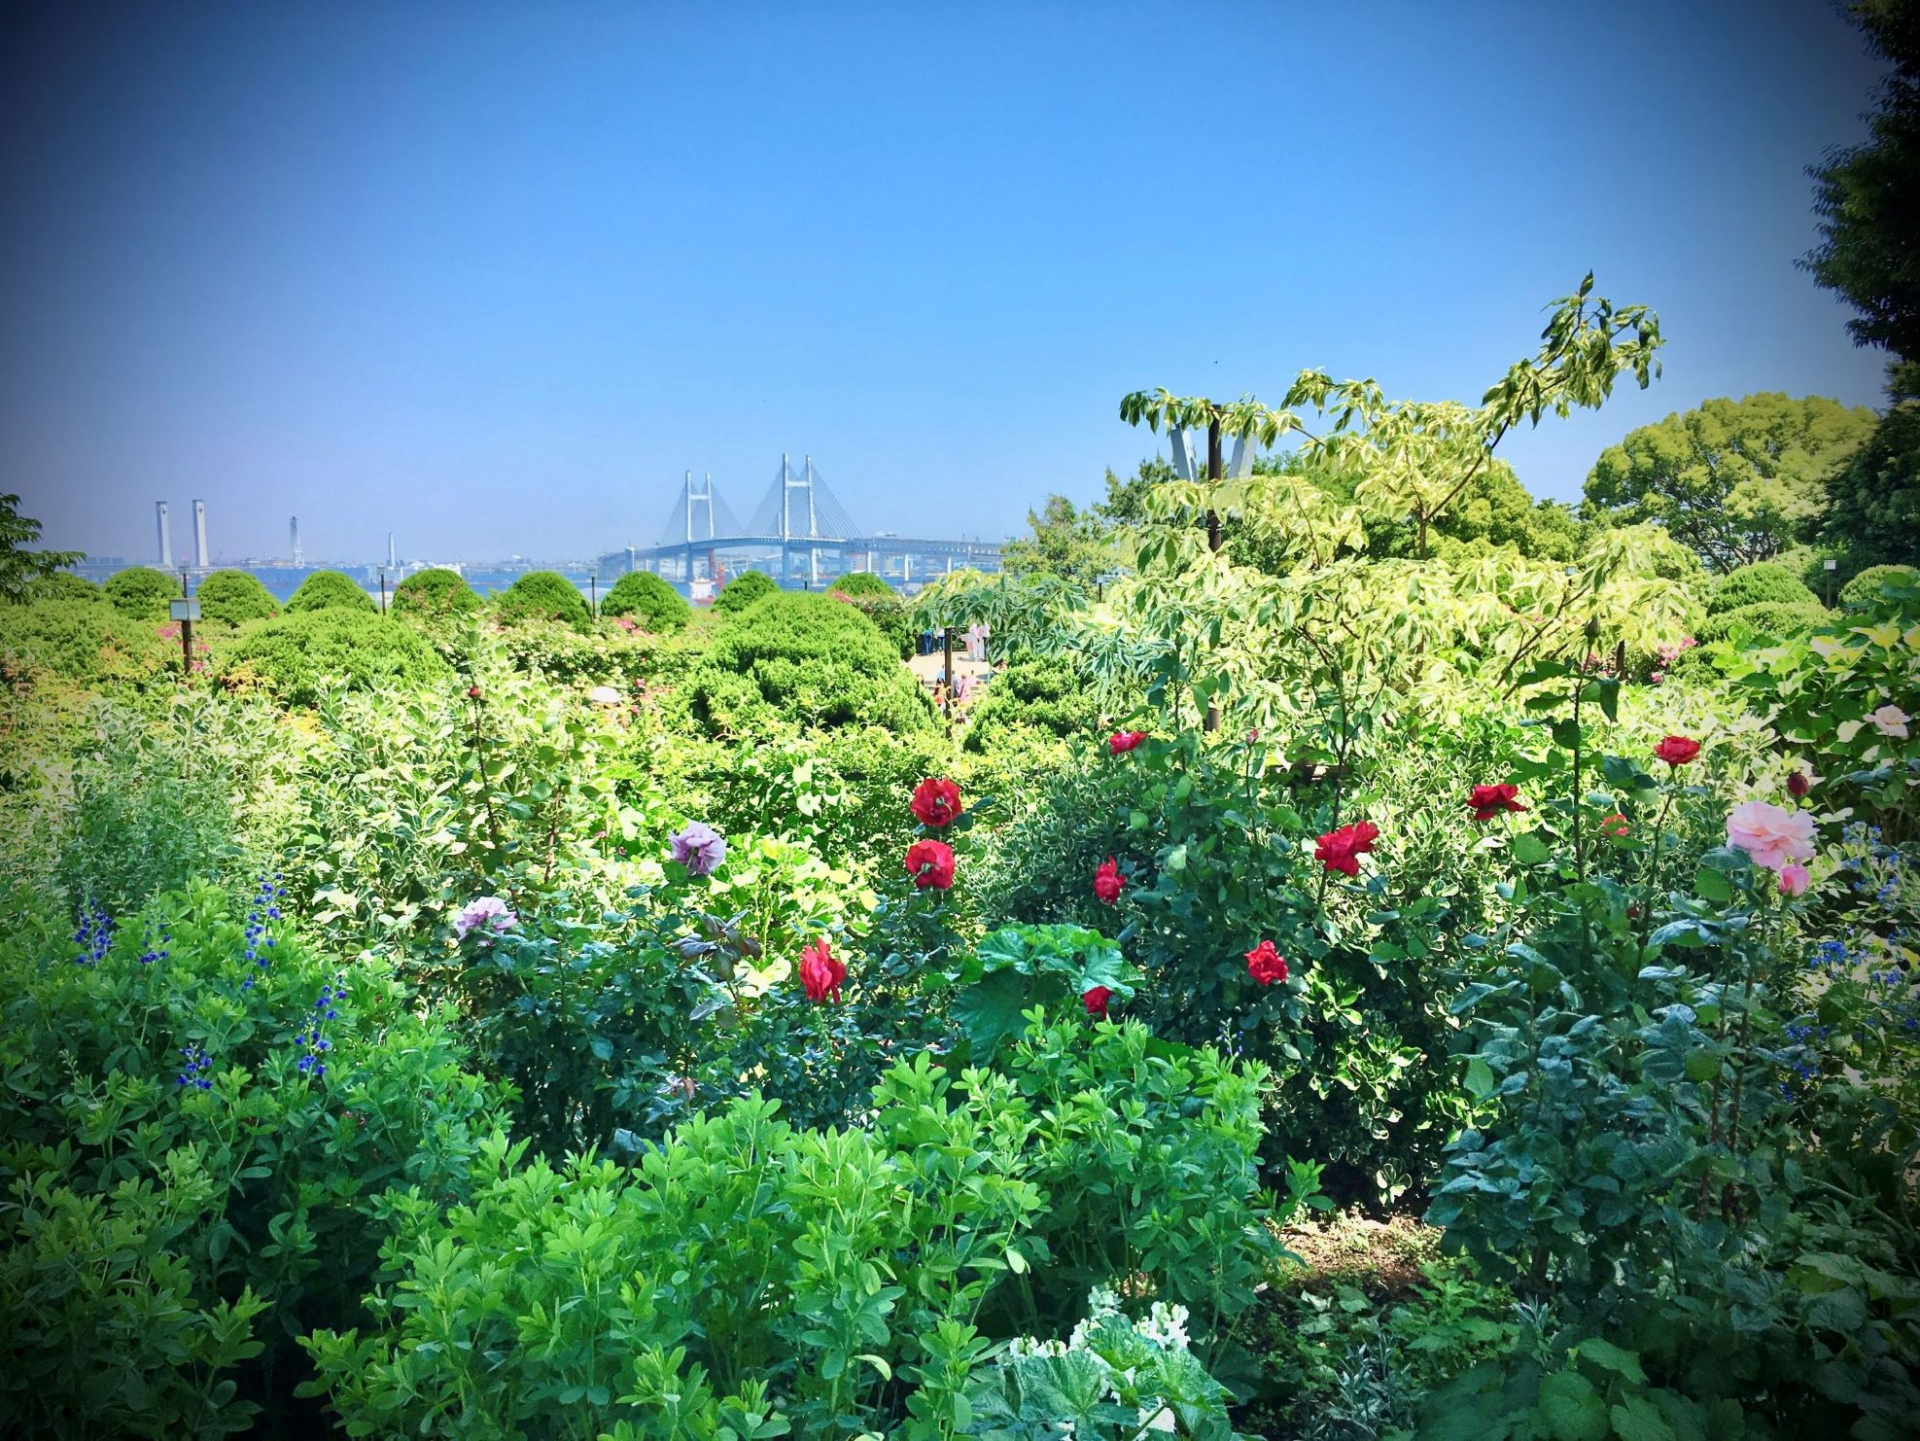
x=1479, y=1079
x=1711, y=885
x=1702, y=1065
x=1529, y=849
x=1635, y=1419
x=1572, y=1409
x=1609, y=1357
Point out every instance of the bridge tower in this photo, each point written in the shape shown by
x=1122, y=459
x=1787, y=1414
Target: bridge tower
x=702, y=496
x=789, y=483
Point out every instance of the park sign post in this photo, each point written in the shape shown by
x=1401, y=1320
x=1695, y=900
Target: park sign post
x=186, y=612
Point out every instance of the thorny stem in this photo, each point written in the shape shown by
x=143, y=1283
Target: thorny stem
x=1653, y=875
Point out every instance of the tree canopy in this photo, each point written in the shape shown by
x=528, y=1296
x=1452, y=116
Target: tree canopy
x=20, y=567
x=1868, y=200
x=1736, y=481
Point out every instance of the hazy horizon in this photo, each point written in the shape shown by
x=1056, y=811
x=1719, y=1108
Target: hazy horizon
x=492, y=278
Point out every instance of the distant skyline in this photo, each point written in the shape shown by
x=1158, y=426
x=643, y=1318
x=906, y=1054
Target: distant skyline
x=492, y=276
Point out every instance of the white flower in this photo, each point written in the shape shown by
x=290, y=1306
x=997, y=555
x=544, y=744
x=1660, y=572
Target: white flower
x=1890, y=720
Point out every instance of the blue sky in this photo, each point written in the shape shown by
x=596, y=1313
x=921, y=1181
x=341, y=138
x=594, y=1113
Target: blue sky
x=492, y=276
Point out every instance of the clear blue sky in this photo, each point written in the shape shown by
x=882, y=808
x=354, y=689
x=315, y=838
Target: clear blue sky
x=493, y=275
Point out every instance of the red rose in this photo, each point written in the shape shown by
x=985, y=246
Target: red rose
x=1265, y=964
x=1486, y=802
x=820, y=973
x=1617, y=825
x=1108, y=882
x=1095, y=999
x=936, y=803
x=1120, y=742
x=931, y=865
x=473, y=692
x=1676, y=750
x=1798, y=784
x=1340, y=850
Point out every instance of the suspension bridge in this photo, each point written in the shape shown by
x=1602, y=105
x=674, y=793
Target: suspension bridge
x=799, y=528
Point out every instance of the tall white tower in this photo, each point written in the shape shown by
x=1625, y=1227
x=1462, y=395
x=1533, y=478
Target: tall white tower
x=166, y=534
x=200, y=534
x=392, y=564
x=293, y=538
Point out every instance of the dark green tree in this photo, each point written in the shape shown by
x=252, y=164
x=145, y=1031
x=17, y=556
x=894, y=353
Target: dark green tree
x=1868, y=199
x=1873, y=502
x=20, y=567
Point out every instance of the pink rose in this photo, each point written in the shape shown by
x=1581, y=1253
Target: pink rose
x=1794, y=879
x=1769, y=835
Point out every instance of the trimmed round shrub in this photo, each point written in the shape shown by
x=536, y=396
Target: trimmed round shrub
x=642, y=596
x=542, y=595
x=328, y=590
x=744, y=590
x=803, y=659
x=888, y=613
x=233, y=597
x=84, y=641
x=1034, y=693
x=435, y=594
x=142, y=592
x=62, y=585
x=863, y=582
x=1764, y=583
x=295, y=652
x=1775, y=619
x=1864, y=591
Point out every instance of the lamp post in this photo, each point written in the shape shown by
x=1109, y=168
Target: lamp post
x=1831, y=566
x=383, y=590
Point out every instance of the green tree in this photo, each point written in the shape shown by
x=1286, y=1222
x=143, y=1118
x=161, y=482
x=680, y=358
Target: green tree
x=20, y=567
x=1413, y=459
x=1735, y=480
x=1067, y=542
x=1868, y=200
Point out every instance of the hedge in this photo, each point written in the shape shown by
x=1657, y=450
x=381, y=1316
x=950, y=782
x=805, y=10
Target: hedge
x=362, y=650
x=328, y=590
x=62, y=585
x=84, y=641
